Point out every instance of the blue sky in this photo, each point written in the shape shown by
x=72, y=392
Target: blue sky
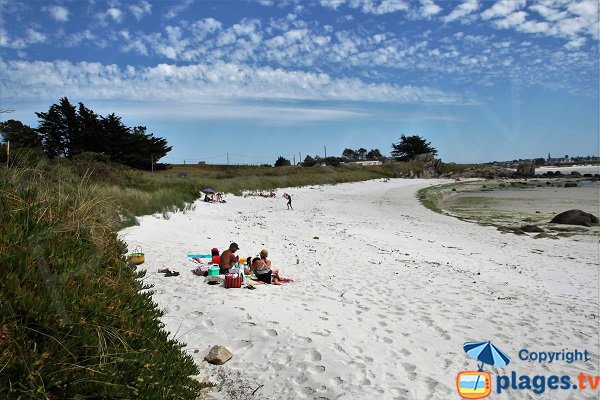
x=481, y=80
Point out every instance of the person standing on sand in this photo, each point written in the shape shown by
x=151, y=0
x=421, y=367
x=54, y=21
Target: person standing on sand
x=289, y=199
x=228, y=258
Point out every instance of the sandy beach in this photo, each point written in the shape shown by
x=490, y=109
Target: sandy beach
x=386, y=293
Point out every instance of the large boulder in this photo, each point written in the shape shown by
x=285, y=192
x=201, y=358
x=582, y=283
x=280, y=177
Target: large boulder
x=430, y=165
x=218, y=355
x=526, y=169
x=575, y=217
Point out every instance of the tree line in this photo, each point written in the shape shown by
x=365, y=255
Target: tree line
x=407, y=148
x=67, y=131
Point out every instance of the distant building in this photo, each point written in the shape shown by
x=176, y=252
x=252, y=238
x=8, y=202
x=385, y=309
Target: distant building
x=554, y=161
x=368, y=162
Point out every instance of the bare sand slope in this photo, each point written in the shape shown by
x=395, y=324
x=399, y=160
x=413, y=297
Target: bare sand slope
x=383, y=300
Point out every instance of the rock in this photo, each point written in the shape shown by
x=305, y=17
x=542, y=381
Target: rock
x=218, y=355
x=575, y=217
x=541, y=235
x=525, y=169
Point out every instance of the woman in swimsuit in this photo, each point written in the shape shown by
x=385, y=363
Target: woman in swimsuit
x=262, y=269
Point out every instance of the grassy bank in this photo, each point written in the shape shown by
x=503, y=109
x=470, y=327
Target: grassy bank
x=75, y=319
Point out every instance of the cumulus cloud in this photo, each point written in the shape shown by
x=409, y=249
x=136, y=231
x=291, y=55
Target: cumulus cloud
x=141, y=9
x=464, y=9
x=31, y=37
x=377, y=7
x=568, y=20
x=115, y=14
x=429, y=8
x=502, y=8
x=58, y=13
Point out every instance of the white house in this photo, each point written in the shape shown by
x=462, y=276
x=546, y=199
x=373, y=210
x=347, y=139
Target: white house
x=368, y=162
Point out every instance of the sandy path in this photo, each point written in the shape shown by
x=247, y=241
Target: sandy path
x=383, y=299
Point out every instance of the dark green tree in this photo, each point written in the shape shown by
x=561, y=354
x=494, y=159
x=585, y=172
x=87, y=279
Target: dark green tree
x=58, y=129
x=19, y=135
x=349, y=155
x=281, y=162
x=374, y=154
x=361, y=153
x=411, y=146
x=308, y=161
x=66, y=132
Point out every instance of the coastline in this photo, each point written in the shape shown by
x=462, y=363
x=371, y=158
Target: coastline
x=514, y=203
x=385, y=292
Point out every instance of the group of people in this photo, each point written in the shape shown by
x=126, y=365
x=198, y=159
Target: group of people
x=260, y=265
x=214, y=198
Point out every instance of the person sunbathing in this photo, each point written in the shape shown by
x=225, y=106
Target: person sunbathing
x=261, y=267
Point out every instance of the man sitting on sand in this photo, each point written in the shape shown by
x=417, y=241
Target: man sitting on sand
x=228, y=258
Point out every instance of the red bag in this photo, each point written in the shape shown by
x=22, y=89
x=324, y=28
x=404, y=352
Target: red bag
x=233, y=281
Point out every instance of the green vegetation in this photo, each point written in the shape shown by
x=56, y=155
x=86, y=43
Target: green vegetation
x=411, y=146
x=75, y=319
x=66, y=131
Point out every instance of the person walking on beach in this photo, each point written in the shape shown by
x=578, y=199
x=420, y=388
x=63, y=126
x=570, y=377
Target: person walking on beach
x=289, y=199
x=228, y=258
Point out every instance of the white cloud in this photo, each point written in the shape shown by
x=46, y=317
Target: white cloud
x=502, y=8
x=377, y=7
x=75, y=39
x=512, y=20
x=200, y=82
x=31, y=37
x=141, y=9
x=429, y=8
x=58, y=13
x=115, y=14
x=464, y=9
x=332, y=3
x=575, y=43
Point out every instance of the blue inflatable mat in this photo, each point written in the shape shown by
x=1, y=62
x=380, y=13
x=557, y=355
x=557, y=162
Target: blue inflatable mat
x=199, y=255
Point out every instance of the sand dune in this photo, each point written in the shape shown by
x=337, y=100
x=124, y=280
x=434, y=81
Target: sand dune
x=385, y=294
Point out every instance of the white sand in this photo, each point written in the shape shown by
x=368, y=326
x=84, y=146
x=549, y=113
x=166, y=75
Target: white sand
x=383, y=300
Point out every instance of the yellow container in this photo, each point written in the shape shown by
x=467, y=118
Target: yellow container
x=137, y=257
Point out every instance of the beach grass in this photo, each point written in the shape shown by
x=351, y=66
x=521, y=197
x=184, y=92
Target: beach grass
x=75, y=319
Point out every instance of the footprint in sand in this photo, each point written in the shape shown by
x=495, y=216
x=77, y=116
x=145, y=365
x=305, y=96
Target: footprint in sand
x=316, y=369
x=315, y=355
x=410, y=369
x=307, y=391
x=299, y=380
x=270, y=332
x=337, y=380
